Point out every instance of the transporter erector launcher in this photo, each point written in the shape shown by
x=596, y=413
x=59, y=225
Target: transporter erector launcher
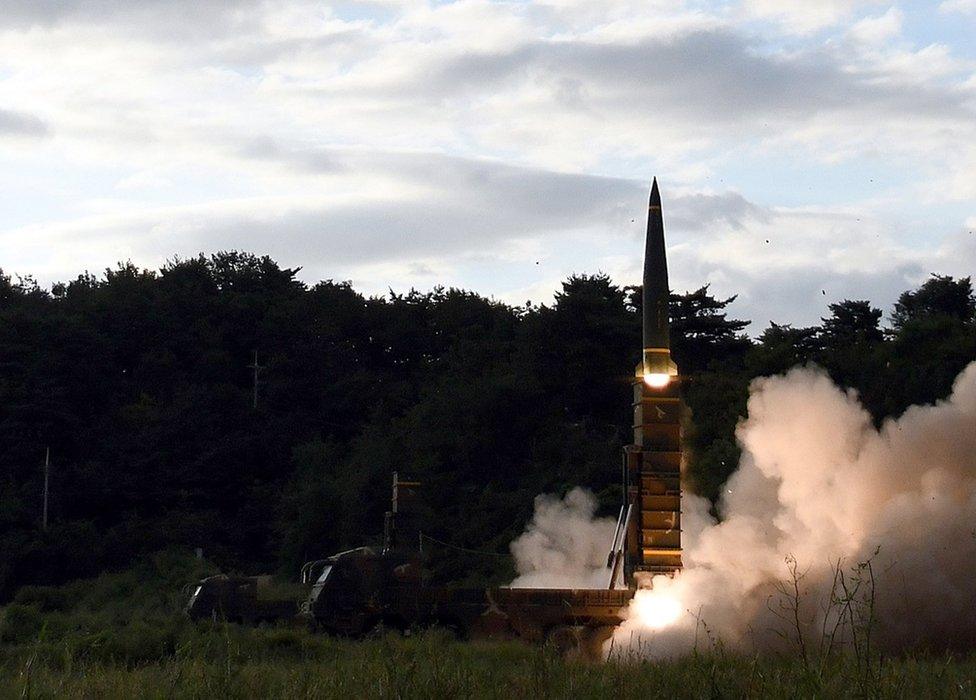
x=648, y=537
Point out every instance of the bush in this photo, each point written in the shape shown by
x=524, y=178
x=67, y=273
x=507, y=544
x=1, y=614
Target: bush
x=21, y=623
x=46, y=598
x=136, y=643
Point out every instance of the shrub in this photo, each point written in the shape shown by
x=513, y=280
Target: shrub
x=21, y=623
x=46, y=598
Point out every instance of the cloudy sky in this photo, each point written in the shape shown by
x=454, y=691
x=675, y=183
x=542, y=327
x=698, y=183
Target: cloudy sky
x=808, y=150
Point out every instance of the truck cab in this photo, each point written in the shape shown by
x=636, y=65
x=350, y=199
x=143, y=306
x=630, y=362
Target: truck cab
x=360, y=588
x=222, y=597
x=247, y=599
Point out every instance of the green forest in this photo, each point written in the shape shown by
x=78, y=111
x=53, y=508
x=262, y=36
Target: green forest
x=142, y=385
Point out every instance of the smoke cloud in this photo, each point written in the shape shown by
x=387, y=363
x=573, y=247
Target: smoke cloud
x=564, y=546
x=819, y=493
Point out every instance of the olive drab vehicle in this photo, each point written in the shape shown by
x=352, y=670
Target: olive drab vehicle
x=362, y=589
x=245, y=599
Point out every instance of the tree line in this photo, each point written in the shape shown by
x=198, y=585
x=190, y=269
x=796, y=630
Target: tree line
x=142, y=384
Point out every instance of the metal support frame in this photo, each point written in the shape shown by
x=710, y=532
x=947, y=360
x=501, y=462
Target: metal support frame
x=652, y=482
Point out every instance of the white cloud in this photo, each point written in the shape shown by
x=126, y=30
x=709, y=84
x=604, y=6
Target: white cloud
x=925, y=65
x=149, y=179
x=964, y=6
x=878, y=29
x=958, y=182
x=804, y=16
x=788, y=265
x=21, y=124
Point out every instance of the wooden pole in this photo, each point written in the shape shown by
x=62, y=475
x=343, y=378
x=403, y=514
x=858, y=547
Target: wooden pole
x=257, y=368
x=47, y=471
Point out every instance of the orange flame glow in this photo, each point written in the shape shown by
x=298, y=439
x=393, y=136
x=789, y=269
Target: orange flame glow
x=656, y=381
x=656, y=610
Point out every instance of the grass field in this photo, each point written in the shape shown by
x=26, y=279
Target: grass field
x=121, y=635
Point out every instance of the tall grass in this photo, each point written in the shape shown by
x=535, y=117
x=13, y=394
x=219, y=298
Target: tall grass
x=122, y=636
x=288, y=663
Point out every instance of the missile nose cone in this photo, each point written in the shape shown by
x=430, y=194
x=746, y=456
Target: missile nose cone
x=655, y=257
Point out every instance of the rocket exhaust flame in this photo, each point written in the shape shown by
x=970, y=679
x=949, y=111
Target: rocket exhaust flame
x=654, y=610
x=657, y=381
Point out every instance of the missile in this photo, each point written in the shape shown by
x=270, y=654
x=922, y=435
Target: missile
x=656, y=365
x=650, y=518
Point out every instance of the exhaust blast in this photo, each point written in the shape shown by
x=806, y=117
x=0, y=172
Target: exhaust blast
x=827, y=524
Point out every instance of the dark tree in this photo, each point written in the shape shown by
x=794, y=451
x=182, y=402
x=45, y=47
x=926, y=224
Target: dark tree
x=701, y=331
x=783, y=346
x=933, y=338
x=851, y=323
x=140, y=383
x=576, y=347
x=939, y=296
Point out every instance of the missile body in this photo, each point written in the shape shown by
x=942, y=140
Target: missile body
x=656, y=358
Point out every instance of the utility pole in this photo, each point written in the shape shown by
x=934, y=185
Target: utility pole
x=47, y=470
x=257, y=369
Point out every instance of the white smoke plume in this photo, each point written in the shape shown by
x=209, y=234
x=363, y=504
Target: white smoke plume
x=564, y=546
x=819, y=485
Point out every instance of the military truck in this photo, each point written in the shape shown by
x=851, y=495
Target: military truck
x=362, y=589
x=245, y=599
